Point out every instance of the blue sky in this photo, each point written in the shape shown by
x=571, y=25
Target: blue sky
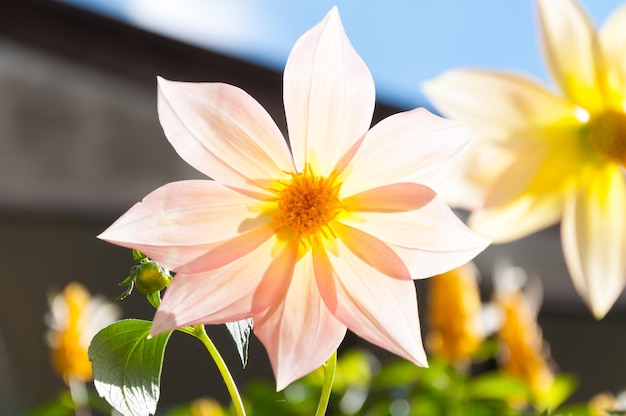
x=403, y=42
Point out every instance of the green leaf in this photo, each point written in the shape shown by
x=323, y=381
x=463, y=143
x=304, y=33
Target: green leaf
x=240, y=331
x=127, y=366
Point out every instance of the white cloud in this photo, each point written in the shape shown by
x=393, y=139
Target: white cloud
x=231, y=25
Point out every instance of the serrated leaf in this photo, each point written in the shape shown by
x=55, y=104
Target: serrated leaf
x=127, y=366
x=240, y=331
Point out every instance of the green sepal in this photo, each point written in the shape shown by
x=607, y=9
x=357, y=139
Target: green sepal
x=154, y=299
x=130, y=282
x=138, y=255
x=127, y=366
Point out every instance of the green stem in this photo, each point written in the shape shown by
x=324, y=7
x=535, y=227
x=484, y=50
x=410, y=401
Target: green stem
x=200, y=333
x=78, y=393
x=329, y=378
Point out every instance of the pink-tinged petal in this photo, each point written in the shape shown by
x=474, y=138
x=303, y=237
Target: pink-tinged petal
x=374, y=306
x=224, y=133
x=500, y=107
x=218, y=296
x=429, y=240
x=593, y=233
x=397, y=197
x=572, y=51
x=413, y=146
x=524, y=216
x=372, y=251
x=298, y=332
x=179, y=223
x=613, y=42
x=278, y=275
x=329, y=96
x=210, y=256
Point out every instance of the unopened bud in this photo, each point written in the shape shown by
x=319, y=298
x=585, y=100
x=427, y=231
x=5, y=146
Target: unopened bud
x=151, y=277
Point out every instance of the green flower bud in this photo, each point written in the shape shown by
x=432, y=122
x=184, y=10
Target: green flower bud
x=151, y=277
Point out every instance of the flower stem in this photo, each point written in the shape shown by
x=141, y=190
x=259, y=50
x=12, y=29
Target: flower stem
x=329, y=377
x=78, y=393
x=200, y=333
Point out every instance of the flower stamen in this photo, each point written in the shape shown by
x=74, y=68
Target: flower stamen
x=307, y=204
x=606, y=134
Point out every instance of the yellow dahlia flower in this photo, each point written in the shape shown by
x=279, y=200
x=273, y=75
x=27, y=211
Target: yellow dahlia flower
x=546, y=155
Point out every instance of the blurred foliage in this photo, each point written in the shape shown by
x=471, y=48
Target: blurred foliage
x=364, y=386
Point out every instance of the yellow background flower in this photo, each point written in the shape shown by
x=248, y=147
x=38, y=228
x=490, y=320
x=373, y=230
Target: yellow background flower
x=453, y=315
x=74, y=318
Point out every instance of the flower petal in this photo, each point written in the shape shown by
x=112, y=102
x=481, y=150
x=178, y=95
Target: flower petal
x=224, y=133
x=547, y=167
x=374, y=306
x=517, y=177
x=278, y=275
x=178, y=223
x=594, y=237
x=372, y=251
x=397, y=197
x=613, y=41
x=411, y=146
x=430, y=240
x=521, y=217
x=572, y=51
x=501, y=107
x=218, y=296
x=298, y=332
x=471, y=179
x=329, y=96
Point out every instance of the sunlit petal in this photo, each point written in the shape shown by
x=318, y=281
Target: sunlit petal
x=329, y=96
x=298, y=332
x=501, y=107
x=517, y=177
x=216, y=296
x=429, y=240
x=613, y=42
x=571, y=50
x=277, y=276
x=372, y=251
x=179, y=222
x=410, y=146
x=224, y=133
x=472, y=177
x=594, y=238
x=519, y=218
x=396, y=197
x=374, y=306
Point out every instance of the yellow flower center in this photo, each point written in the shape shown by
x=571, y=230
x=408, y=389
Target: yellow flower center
x=606, y=134
x=307, y=204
